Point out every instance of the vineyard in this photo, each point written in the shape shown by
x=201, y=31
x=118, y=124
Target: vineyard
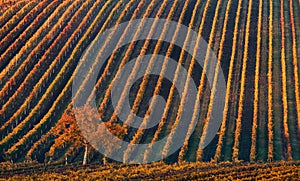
x=257, y=46
x=156, y=171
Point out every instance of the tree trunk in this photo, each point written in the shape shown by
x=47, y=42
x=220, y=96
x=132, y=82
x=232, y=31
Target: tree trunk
x=85, y=154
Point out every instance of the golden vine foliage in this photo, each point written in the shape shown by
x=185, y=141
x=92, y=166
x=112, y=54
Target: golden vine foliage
x=229, y=82
x=270, y=86
x=41, y=42
x=99, y=54
x=256, y=84
x=125, y=58
x=295, y=62
x=186, y=85
x=284, y=84
x=142, y=88
x=242, y=91
x=159, y=83
x=136, y=65
x=210, y=106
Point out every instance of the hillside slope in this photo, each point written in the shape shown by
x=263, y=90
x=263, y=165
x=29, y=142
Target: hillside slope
x=257, y=44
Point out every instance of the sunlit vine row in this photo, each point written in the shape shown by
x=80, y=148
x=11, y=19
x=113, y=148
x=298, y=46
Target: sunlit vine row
x=187, y=83
x=101, y=51
x=11, y=11
x=284, y=84
x=270, y=86
x=16, y=60
x=25, y=124
x=6, y=113
x=8, y=109
x=242, y=90
x=164, y=67
x=25, y=60
x=57, y=105
x=136, y=138
x=207, y=63
x=92, y=28
x=256, y=85
x=17, y=17
x=40, y=69
x=295, y=62
x=16, y=38
x=33, y=17
x=124, y=60
x=228, y=86
x=136, y=65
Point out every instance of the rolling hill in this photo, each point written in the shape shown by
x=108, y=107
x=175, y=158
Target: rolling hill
x=256, y=44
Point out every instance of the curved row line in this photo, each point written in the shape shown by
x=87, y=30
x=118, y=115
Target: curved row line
x=25, y=124
x=127, y=8
x=124, y=12
x=137, y=136
x=16, y=38
x=135, y=68
x=24, y=109
x=284, y=84
x=202, y=84
x=28, y=56
x=24, y=23
x=42, y=124
x=229, y=82
x=256, y=85
x=242, y=91
x=16, y=18
x=58, y=104
x=270, y=87
x=11, y=11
